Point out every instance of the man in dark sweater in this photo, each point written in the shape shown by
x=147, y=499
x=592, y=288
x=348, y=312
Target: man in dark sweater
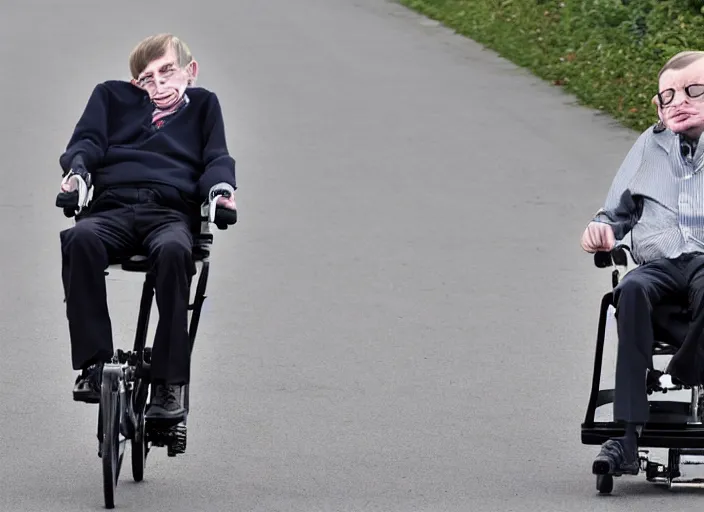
x=154, y=150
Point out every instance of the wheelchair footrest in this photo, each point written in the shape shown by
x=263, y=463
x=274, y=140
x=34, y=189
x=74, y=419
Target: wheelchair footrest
x=654, y=435
x=659, y=382
x=173, y=438
x=654, y=471
x=679, y=469
x=687, y=471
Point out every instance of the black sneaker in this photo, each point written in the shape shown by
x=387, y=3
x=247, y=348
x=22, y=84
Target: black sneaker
x=165, y=404
x=87, y=386
x=616, y=458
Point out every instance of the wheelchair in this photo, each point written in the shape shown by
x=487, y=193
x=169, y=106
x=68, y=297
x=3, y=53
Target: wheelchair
x=126, y=378
x=677, y=426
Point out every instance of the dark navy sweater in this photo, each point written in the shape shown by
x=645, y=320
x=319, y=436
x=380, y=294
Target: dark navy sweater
x=120, y=147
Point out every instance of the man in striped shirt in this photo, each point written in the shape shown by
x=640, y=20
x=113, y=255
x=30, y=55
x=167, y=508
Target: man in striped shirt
x=657, y=197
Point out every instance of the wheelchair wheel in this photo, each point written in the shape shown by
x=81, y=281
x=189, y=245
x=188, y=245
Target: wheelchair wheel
x=112, y=448
x=139, y=448
x=604, y=484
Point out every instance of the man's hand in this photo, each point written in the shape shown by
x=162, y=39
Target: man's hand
x=598, y=237
x=73, y=193
x=70, y=185
x=227, y=202
x=72, y=179
x=224, y=212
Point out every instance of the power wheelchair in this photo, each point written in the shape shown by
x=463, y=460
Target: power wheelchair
x=126, y=378
x=677, y=426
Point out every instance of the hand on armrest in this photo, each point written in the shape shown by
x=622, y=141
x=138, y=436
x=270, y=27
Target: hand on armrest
x=73, y=196
x=618, y=256
x=598, y=237
x=222, y=208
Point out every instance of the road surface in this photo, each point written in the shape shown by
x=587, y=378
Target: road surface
x=402, y=320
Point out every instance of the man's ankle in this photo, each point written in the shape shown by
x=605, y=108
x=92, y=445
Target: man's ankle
x=633, y=433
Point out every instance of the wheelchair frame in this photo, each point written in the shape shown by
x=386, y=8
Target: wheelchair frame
x=126, y=378
x=675, y=425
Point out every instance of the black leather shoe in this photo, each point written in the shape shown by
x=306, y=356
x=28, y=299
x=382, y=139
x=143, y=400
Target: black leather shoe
x=165, y=405
x=616, y=458
x=87, y=386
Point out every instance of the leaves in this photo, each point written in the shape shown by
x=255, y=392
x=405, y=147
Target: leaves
x=606, y=52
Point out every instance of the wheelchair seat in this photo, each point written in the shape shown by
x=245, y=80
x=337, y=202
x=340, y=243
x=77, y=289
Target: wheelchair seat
x=202, y=240
x=139, y=262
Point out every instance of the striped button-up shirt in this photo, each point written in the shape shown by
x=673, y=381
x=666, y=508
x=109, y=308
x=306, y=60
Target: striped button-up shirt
x=658, y=197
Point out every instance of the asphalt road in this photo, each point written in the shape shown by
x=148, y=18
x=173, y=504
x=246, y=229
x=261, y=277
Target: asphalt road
x=402, y=320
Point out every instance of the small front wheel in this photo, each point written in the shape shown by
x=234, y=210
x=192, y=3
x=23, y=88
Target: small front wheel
x=604, y=484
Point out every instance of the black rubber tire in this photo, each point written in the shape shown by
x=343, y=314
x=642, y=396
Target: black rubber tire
x=604, y=484
x=139, y=448
x=110, y=405
x=139, y=452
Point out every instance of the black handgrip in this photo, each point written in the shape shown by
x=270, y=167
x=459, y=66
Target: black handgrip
x=225, y=217
x=68, y=201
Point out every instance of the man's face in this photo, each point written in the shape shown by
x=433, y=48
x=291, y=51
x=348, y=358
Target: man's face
x=681, y=99
x=164, y=80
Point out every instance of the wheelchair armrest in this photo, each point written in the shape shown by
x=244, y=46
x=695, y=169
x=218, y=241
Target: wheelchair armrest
x=212, y=213
x=74, y=202
x=617, y=256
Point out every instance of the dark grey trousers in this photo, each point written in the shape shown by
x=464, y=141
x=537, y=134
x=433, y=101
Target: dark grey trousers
x=639, y=291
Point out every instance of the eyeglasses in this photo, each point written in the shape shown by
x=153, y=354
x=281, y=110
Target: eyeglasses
x=668, y=95
x=166, y=72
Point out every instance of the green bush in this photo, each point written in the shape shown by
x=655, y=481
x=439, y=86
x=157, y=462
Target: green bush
x=606, y=52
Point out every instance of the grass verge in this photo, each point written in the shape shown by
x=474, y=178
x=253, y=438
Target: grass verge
x=605, y=52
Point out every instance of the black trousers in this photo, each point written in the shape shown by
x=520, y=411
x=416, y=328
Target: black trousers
x=119, y=223
x=636, y=295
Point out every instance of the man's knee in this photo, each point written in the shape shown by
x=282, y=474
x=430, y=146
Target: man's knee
x=631, y=288
x=633, y=306
x=174, y=255
x=81, y=235
x=173, y=247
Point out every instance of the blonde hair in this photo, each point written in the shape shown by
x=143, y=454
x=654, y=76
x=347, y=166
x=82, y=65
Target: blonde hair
x=681, y=61
x=155, y=47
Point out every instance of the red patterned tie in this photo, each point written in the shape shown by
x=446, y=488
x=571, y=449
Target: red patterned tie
x=159, y=116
